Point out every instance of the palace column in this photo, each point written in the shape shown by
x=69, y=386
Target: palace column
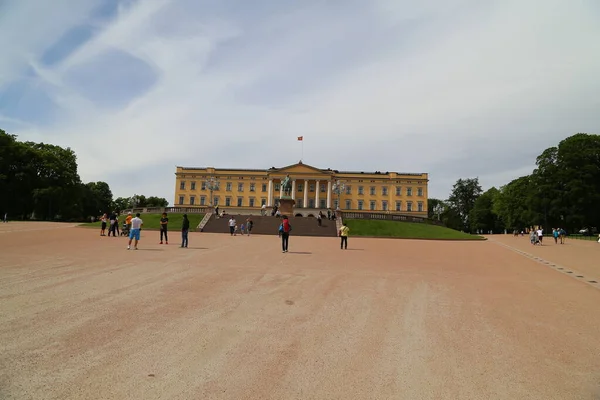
x=329, y=194
x=317, y=194
x=270, y=194
x=305, y=203
x=294, y=189
x=280, y=189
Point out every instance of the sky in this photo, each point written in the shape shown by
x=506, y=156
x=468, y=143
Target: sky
x=454, y=88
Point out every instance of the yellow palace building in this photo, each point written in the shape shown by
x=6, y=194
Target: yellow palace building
x=312, y=189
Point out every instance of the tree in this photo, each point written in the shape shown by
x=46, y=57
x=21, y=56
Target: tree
x=513, y=204
x=435, y=208
x=483, y=217
x=462, y=199
x=154, y=201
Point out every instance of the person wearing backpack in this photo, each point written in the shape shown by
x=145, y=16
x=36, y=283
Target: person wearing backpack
x=284, y=232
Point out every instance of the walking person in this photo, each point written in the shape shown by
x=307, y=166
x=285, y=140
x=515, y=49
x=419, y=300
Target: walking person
x=540, y=234
x=320, y=218
x=284, y=232
x=128, y=221
x=5, y=220
x=185, y=228
x=163, y=228
x=232, y=224
x=249, y=225
x=555, y=234
x=344, y=230
x=111, y=229
x=103, y=225
x=117, y=225
x=134, y=233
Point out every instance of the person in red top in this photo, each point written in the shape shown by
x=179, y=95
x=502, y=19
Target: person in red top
x=284, y=233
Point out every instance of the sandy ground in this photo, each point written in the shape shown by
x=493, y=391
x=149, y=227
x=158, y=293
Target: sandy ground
x=234, y=318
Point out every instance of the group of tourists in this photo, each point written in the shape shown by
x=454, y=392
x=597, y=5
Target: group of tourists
x=133, y=227
x=536, y=235
x=284, y=230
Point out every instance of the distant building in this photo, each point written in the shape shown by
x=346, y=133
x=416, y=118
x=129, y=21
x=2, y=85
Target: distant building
x=312, y=188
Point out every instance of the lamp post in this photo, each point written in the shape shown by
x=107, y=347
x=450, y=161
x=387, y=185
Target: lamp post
x=337, y=188
x=212, y=184
x=437, y=210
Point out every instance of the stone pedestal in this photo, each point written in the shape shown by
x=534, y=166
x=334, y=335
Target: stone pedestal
x=286, y=206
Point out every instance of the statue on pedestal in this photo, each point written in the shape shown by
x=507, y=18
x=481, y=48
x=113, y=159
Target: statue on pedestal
x=286, y=185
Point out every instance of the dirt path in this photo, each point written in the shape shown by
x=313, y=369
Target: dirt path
x=234, y=318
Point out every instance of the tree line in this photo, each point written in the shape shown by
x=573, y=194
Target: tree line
x=562, y=191
x=40, y=181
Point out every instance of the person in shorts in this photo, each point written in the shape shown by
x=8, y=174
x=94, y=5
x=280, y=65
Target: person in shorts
x=134, y=233
x=103, y=225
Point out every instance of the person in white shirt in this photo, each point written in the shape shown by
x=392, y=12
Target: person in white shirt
x=232, y=225
x=540, y=234
x=134, y=233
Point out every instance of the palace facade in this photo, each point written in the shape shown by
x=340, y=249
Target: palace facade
x=312, y=188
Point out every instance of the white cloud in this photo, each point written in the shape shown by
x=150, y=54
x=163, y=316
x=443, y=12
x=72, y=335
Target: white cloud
x=456, y=89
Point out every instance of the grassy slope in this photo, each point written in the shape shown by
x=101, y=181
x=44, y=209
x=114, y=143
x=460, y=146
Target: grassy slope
x=152, y=221
x=407, y=230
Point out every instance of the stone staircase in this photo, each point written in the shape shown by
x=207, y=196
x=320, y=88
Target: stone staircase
x=301, y=226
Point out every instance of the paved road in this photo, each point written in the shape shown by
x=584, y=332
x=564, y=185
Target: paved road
x=234, y=318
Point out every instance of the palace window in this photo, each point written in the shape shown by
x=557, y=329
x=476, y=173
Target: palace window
x=263, y=201
x=203, y=186
x=182, y=185
x=409, y=191
x=311, y=187
x=228, y=186
x=384, y=190
x=227, y=201
x=398, y=190
x=240, y=187
x=251, y=202
x=300, y=187
x=311, y=203
x=420, y=192
x=193, y=185
x=240, y=201
x=277, y=186
x=360, y=190
x=384, y=205
x=322, y=188
x=264, y=187
x=372, y=205
x=216, y=201
x=252, y=187
x=322, y=203
x=192, y=200
x=348, y=189
x=360, y=205
x=348, y=204
x=181, y=200
x=409, y=206
x=300, y=203
x=398, y=206
x=372, y=191
x=202, y=200
x=336, y=204
x=420, y=206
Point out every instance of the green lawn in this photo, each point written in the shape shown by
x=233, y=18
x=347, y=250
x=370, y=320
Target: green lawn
x=152, y=221
x=406, y=230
